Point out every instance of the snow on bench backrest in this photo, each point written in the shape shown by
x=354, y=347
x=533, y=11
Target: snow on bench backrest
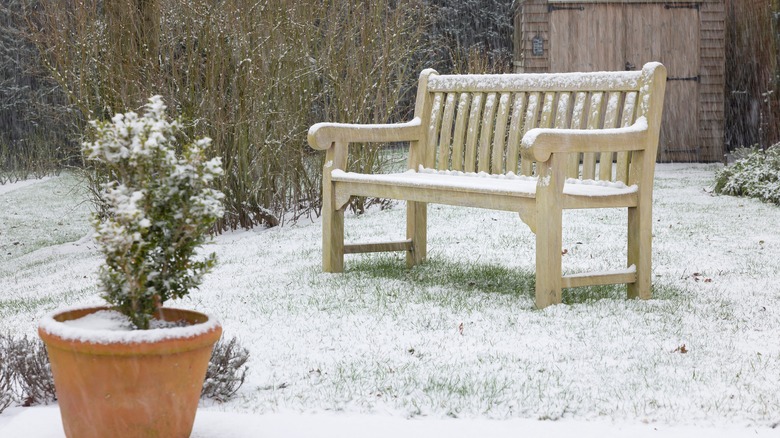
x=478, y=121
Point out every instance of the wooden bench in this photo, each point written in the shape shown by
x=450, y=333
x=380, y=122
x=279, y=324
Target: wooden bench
x=535, y=144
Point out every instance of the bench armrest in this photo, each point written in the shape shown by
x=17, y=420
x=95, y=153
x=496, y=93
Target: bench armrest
x=539, y=143
x=323, y=135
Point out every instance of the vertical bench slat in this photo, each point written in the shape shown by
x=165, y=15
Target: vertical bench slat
x=577, y=117
x=516, y=131
x=562, y=110
x=486, y=134
x=433, y=131
x=531, y=119
x=471, y=133
x=594, y=118
x=610, y=121
x=500, y=136
x=460, y=131
x=546, y=118
x=624, y=158
x=562, y=121
x=446, y=132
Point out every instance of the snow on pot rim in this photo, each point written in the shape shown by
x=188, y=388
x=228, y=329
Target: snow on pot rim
x=57, y=333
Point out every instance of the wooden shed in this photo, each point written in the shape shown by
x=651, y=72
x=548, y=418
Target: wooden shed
x=685, y=35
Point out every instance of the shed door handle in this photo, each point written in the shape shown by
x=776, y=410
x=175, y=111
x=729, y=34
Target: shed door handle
x=689, y=78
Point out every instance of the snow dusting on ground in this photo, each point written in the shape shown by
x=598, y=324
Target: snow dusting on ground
x=455, y=345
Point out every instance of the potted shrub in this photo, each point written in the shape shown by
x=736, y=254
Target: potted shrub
x=135, y=368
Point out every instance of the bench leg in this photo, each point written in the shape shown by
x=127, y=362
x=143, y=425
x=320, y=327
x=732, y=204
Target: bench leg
x=332, y=235
x=548, y=259
x=640, y=235
x=549, y=219
x=417, y=231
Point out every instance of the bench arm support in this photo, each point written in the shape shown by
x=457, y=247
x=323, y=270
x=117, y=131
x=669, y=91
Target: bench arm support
x=539, y=143
x=323, y=135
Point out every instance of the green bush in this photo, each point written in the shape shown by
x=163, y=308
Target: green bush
x=160, y=209
x=755, y=174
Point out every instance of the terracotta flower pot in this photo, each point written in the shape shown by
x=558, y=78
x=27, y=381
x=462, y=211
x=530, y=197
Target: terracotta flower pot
x=140, y=383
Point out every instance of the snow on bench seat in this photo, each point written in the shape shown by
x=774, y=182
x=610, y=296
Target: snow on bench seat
x=507, y=184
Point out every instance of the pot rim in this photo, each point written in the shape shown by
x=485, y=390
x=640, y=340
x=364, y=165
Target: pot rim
x=56, y=329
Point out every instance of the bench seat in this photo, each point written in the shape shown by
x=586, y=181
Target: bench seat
x=447, y=187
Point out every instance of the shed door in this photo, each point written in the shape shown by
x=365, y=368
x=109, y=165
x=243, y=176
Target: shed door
x=587, y=38
x=616, y=36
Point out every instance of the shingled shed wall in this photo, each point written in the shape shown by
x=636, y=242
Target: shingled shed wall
x=687, y=36
x=713, y=80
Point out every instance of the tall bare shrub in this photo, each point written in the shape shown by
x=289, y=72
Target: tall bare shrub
x=34, y=119
x=472, y=36
x=252, y=75
x=752, y=73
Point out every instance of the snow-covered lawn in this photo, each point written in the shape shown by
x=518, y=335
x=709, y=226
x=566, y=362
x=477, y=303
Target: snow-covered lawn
x=383, y=351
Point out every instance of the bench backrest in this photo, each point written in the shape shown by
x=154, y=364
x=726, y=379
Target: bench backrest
x=475, y=123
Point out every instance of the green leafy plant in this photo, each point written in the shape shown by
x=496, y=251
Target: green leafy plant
x=160, y=208
x=756, y=174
